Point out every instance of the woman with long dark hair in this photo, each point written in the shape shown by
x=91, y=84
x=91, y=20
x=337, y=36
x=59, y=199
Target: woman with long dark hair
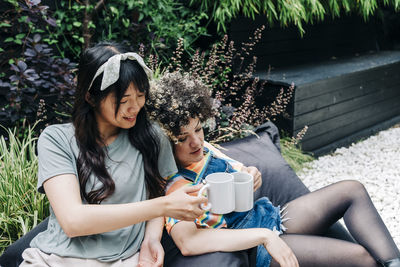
x=103, y=173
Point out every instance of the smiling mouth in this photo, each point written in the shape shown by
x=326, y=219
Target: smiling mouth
x=196, y=151
x=131, y=118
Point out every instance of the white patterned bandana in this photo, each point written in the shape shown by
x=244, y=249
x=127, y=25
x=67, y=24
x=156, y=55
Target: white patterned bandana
x=111, y=69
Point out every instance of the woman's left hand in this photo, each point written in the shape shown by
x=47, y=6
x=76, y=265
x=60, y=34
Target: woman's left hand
x=256, y=175
x=151, y=254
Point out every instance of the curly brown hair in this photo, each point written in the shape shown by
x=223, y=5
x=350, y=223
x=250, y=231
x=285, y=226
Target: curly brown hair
x=175, y=98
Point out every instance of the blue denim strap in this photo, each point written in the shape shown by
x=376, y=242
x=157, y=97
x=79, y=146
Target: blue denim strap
x=192, y=176
x=212, y=164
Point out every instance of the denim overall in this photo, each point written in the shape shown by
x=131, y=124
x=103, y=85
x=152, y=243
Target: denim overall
x=262, y=215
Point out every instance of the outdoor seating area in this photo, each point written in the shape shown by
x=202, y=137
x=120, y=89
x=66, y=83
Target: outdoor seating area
x=173, y=133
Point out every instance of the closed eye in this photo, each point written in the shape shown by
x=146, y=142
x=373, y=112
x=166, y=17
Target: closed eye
x=182, y=139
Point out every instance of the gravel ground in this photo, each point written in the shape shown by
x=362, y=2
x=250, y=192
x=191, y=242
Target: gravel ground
x=375, y=162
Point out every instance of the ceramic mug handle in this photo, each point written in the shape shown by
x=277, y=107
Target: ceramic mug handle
x=204, y=207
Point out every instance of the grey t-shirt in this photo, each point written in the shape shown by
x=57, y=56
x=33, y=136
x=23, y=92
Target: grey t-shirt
x=57, y=154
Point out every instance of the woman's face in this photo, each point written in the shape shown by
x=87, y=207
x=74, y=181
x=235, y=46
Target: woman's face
x=130, y=105
x=191, y=142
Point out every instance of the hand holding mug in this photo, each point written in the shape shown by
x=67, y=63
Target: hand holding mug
x=220, y=193
x=257, y=179
x=182, y=205
x=228, y=192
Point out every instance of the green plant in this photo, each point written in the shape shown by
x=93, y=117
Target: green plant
x=38, y=81
x=170, y=21
x=33, y=78
x=292, y=153
x=288, y=12
x=75, y=25
x=156, y=25
x=22, y=207
x=68, y=35
x=20, y=20
x=240, y=100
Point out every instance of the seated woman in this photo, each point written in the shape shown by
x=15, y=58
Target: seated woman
x=103, y=173
x=181, y=104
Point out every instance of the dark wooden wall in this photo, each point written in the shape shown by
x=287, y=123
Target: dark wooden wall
x=344, y=82
x=336, y=107
x=282, y=47
x=338, y=98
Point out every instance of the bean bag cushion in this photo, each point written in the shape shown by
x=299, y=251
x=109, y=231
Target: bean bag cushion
x=280, y=185
x=279, y=182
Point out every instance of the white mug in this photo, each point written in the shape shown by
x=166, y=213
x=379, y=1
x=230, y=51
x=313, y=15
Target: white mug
x=243, y=182
x=220, y=193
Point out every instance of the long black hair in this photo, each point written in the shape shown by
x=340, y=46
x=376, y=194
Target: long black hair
x=92, y=154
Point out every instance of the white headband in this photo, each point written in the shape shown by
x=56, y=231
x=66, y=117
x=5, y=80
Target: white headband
x=111, y=69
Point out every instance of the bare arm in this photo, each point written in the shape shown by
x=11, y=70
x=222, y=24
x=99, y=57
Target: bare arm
x=77, y=219
x=193, y=241
x=151, y=250
x=154, y=229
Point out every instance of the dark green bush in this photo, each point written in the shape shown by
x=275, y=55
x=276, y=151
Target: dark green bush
x=34, y=80
x=154, y=26
x=36, y=74
x=288, y=12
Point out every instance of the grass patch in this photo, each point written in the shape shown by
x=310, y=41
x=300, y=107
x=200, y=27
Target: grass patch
x=22, y=207
x=293, y=154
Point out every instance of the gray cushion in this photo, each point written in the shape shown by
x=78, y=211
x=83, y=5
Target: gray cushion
x=280, y=182
x=280, y=185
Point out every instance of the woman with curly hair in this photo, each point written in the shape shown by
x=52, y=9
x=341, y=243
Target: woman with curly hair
x=181, y=104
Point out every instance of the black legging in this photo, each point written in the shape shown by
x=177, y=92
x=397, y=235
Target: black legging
x=311, y=214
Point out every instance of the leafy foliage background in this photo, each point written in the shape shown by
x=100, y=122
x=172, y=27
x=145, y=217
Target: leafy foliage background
x=41, y=40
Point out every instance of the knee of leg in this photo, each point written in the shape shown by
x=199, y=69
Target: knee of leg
x=365, y=258
x=354, y=187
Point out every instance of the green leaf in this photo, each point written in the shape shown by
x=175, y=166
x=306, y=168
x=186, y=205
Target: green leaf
x=8, y=40
x=114, y=11
x=141, y=16
x=11, y=61
x=50, y=41
x=77, y=23
x=126, y=22
x=23, y=19
x=4, y=24
x=20, y=36
x=91, y=25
